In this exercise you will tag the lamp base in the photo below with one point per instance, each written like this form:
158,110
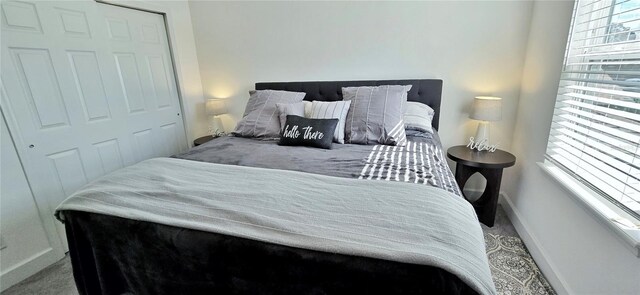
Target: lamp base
482,133
216,125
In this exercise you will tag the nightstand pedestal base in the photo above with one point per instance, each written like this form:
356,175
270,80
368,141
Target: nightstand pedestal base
486,205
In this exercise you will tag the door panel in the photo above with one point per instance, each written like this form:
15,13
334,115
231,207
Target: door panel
160,80
74,23
40,84
169,133
69,171
118,29
89,89
109,154
130,81
89,85
29,242
21,16
142,140
150,33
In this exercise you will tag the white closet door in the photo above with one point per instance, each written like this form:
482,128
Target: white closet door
28,243
89,89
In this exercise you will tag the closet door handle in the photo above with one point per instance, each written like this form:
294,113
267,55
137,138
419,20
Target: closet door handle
31,146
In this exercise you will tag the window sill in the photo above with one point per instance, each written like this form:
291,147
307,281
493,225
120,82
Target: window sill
621,223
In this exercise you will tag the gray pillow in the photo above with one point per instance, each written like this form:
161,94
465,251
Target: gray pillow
285,109
332,110
260,116
418,116
376,114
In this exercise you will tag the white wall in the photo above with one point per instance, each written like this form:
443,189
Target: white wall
182,43
475,47
578,254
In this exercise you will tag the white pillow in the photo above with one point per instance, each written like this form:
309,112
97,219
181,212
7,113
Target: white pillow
285,109
332,110
307,109
418,116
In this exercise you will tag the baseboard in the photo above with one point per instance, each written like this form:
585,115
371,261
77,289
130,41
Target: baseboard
535,247
28,267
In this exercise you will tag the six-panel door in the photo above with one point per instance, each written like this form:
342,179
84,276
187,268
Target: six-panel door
88,88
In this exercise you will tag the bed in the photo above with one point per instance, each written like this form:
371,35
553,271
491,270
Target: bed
247,216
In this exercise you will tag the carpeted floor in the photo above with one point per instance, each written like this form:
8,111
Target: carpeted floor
56,279
514,271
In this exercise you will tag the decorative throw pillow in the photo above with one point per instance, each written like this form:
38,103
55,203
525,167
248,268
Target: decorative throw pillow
285,109
332,110
418,116
376,114
307,108
260,116
308,132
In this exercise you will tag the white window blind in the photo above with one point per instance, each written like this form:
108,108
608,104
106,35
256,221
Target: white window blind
595,133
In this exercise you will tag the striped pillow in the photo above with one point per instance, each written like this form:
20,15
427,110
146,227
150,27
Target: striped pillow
332,110
307,108
418,116
376,114
261,117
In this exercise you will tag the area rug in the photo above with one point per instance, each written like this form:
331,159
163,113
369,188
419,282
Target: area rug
513,269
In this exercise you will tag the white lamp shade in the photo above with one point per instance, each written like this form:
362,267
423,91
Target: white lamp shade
216,107
486,108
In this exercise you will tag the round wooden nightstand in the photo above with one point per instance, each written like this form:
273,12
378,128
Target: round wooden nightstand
202,140
490,166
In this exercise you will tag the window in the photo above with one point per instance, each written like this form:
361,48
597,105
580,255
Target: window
595,133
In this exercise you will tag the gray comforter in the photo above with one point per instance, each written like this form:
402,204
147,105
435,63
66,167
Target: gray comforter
421,161
409,223
351,200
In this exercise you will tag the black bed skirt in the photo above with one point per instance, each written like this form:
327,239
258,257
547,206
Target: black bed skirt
112,255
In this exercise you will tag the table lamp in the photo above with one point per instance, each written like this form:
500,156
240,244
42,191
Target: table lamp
215,108
485,109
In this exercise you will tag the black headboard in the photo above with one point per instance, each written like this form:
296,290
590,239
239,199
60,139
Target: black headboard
427,91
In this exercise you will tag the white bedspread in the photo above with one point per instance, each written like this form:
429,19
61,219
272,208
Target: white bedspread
402,222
